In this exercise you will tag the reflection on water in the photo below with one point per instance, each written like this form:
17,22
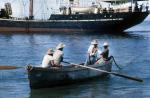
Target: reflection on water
130,49
105,88
81,90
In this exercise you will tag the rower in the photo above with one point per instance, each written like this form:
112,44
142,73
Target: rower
93,52
48,59
58,54
104,55
105,52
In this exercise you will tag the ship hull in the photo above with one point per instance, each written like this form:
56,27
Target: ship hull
76,23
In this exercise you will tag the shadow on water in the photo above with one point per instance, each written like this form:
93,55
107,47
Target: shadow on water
125,34
90,89
110,87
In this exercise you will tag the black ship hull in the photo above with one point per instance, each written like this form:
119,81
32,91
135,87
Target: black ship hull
76,23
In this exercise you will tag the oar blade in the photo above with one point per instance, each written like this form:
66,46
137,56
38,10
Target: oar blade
128,77
8,67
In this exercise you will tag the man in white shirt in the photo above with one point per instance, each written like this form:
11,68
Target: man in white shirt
93,52
58,54
48,60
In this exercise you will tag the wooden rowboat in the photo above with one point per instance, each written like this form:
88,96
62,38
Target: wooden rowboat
56,76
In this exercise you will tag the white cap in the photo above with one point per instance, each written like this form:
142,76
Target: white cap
94,42
105,44
60,45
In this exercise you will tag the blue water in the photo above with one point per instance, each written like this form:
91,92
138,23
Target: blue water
130,49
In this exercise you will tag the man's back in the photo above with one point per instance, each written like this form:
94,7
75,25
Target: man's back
46,61
58,54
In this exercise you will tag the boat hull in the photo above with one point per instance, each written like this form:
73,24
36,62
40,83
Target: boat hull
44,78
76,23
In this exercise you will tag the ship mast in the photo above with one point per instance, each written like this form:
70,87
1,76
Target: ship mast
31,10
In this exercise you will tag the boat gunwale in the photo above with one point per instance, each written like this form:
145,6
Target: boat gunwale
67,68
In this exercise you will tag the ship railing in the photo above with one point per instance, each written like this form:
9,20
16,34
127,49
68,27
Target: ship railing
98,10
134,8
127,9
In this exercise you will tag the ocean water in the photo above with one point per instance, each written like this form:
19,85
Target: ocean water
131,50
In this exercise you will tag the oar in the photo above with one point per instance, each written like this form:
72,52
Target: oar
118,66
113,73
3,67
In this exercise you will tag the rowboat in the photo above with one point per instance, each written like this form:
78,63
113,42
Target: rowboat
56,76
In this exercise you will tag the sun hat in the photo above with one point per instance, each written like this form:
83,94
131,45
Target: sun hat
105,44
60,45
94,42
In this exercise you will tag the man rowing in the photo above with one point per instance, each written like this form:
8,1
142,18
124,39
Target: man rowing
105,54
58,54
48,60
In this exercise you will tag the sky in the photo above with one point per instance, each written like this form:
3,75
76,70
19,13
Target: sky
42,8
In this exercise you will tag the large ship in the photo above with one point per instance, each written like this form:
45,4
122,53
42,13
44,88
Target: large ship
113,17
